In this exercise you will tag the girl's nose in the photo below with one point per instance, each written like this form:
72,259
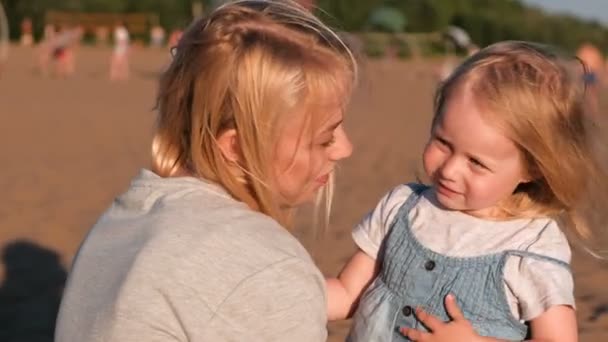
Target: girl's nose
449,169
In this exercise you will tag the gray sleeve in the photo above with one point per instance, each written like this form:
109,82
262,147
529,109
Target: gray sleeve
283,302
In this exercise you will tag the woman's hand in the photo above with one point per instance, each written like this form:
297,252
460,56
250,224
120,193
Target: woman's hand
458,329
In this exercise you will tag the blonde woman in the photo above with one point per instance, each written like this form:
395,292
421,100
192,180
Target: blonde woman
249,128
513,162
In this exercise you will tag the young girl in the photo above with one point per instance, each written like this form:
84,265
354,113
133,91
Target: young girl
249,127
511,161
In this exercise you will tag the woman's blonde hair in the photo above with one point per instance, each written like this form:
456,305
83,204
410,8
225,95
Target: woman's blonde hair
246,66
537,97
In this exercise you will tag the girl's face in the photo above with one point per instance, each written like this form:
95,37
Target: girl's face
305,160
472,164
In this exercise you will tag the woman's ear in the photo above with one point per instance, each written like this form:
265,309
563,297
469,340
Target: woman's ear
229,145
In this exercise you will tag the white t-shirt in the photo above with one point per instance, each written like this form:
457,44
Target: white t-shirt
532,286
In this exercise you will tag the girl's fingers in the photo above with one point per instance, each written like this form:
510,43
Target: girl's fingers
429,321
452,307
413,334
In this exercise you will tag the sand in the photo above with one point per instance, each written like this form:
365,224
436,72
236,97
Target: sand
68,146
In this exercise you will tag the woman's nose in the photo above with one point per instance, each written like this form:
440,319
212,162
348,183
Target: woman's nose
342,148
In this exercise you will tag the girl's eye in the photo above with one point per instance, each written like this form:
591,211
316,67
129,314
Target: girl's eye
443,144
476,163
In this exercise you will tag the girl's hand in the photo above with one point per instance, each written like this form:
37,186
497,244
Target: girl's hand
458,329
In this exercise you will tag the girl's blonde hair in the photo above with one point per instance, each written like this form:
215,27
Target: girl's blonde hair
537,97
246,66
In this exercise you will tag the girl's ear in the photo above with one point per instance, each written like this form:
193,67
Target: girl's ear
531,173
527,178
229,145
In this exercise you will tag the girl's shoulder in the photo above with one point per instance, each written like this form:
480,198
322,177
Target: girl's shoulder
547,238
398,195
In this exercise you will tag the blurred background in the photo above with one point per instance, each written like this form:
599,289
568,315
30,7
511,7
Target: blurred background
77,92
561,22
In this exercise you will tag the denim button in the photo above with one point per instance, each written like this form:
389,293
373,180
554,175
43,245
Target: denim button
429,265
407,310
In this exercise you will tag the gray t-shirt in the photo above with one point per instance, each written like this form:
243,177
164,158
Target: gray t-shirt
178,259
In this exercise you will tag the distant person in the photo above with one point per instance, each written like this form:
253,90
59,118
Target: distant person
119,64
62,51
46,49
249,128
480,251
594,61
594,74
174,38
157,36
4,39
27,38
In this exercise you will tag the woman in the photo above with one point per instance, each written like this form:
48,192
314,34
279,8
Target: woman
249,128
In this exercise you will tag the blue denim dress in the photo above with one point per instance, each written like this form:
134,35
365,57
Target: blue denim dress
412,275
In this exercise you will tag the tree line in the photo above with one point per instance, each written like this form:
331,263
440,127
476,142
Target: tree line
486,21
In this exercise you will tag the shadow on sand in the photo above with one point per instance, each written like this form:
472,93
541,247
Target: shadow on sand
31,292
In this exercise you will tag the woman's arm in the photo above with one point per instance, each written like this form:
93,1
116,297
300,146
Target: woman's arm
343,293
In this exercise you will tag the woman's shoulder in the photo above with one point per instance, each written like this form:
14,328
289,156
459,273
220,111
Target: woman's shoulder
256,231
238,232
198,220
227,249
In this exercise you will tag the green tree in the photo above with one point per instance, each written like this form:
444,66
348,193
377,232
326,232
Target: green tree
348,15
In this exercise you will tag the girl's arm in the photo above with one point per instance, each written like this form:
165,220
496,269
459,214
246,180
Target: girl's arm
556,324
343,293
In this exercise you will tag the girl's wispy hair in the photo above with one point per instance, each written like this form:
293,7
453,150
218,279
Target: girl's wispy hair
536,95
